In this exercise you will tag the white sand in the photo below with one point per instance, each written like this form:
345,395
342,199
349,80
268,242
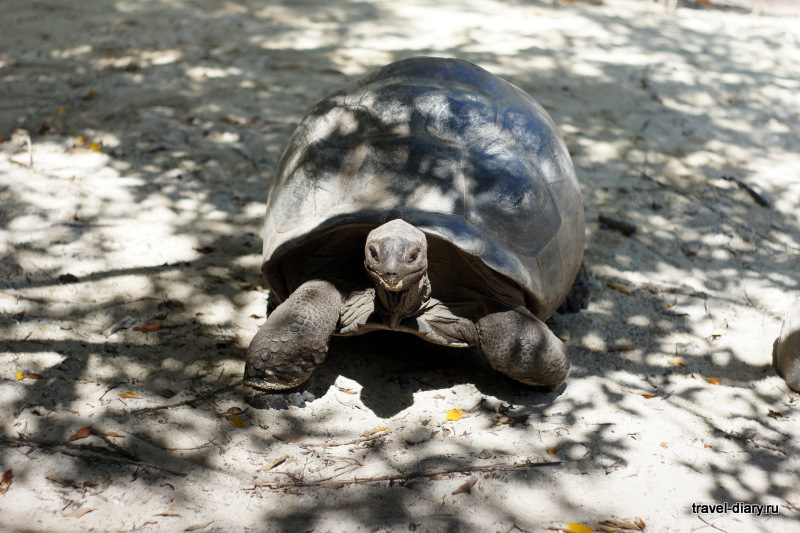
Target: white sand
192,104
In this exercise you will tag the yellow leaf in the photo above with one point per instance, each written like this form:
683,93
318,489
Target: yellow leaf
20,376
554,449
81,138
454,414
130,394
62,110
236,421
95,147
621,288
714,381
572,527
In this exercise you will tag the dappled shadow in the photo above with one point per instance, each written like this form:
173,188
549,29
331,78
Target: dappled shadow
161,144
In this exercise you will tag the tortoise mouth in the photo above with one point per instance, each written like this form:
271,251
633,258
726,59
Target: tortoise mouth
395,283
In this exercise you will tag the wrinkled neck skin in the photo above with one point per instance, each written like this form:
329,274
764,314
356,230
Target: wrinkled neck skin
395,306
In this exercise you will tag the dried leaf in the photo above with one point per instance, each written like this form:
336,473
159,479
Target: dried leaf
255,316
150,326
80,512
81,433
32,375
233,411
646,394
620,287
511,420
677,361
332,485
62,110
5,482
106,483
454,414
619,526
714,381
166,514
95,147
166,393
466,487
112,434
272,464
237,422
774,414
623,348
195,527
20,376
81,138
664,445
131,395
289,438
89,95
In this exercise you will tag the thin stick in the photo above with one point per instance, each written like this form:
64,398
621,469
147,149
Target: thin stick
425,474
185,402
346,443
87,452
712,525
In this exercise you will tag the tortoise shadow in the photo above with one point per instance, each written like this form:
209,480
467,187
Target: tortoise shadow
392,367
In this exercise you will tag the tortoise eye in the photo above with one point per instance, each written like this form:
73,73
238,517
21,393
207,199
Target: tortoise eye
374,253
413,257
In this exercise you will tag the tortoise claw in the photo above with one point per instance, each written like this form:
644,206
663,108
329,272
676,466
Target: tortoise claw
259,398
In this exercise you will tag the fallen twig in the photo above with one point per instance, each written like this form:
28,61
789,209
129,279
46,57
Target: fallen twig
85,451
411,475
626,228
657,288
720,213
346,443
186,402
710,524
760,200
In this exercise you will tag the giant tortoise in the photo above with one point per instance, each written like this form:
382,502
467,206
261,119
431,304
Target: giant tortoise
429,197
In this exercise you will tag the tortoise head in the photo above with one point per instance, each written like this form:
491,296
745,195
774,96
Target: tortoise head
396,255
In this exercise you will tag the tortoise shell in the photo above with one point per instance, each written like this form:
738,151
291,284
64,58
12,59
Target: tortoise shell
448,147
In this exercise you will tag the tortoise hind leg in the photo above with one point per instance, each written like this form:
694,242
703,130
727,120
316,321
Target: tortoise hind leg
523,348
579,294
292,342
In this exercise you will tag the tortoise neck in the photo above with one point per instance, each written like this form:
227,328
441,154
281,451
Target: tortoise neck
395,306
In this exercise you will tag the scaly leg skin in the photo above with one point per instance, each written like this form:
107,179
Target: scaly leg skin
786,350
288,347
524,349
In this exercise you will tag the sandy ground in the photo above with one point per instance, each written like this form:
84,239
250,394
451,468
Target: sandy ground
130,240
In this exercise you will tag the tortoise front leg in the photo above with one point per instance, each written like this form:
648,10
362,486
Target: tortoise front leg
292,342
523,348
